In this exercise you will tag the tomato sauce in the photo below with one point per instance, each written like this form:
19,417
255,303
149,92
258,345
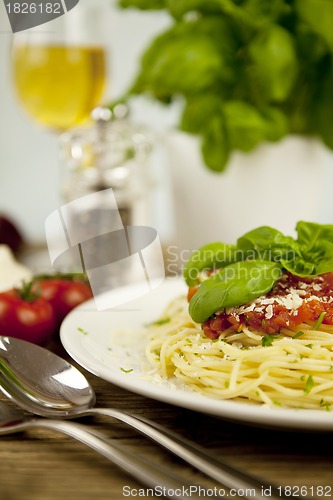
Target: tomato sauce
292,301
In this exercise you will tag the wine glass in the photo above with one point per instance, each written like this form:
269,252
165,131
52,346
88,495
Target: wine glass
59,68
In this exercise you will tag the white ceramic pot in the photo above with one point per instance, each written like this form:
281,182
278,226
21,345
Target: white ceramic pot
276,184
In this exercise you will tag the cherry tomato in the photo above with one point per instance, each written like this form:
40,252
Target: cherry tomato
28,319
64,294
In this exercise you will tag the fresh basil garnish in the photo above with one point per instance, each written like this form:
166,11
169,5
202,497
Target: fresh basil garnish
249,269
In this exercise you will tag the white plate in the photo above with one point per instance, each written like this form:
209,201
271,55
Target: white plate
111,344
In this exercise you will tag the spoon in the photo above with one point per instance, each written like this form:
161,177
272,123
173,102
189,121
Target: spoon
148,473
45,384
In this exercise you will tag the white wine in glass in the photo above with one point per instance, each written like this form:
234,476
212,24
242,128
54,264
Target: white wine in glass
60,75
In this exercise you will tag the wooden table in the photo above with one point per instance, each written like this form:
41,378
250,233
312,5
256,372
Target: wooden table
43,465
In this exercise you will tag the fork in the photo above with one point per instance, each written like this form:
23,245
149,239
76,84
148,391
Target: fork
142,469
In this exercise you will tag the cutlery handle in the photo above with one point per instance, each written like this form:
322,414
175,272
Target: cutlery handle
151,474
195,455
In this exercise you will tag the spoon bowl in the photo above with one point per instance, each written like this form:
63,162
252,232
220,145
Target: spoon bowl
41,382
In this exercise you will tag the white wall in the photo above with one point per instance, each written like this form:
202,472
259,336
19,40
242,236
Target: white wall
30,169
29,165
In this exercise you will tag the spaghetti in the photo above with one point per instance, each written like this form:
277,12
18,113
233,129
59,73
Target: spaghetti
291,369
257,323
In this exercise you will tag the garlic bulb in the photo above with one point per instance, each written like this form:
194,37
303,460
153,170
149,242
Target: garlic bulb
12,273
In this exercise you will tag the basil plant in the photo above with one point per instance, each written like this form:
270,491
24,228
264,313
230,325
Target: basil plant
248,71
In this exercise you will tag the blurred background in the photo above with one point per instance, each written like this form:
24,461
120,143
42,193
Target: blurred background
264,156
31,171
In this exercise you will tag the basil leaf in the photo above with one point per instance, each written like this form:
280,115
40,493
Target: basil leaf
322,255
199,110
315,256
318,14
317,260
184,60
322,108
209,257
268,243
274,62
265,12
276,123
234,285
310,233
142,4
299,267
245,126
222,7
251,12
215,145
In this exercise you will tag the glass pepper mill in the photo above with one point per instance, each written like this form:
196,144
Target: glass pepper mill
107,186
110,153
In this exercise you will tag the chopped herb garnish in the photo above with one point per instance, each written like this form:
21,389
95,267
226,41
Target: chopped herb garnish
84,332
325,404
226,384
309,384
267,339
319,321
126,371
310,346
298,334
158,322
